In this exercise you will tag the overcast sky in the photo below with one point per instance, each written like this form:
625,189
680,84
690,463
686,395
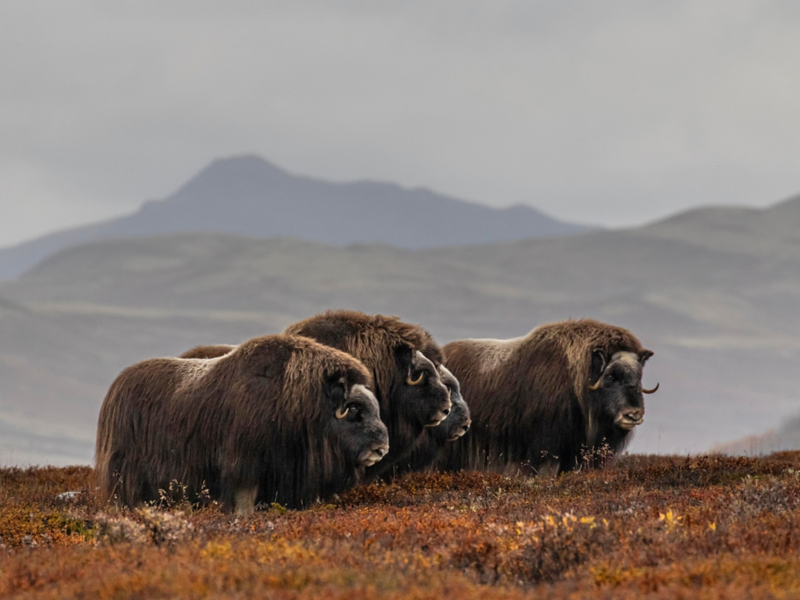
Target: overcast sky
604,112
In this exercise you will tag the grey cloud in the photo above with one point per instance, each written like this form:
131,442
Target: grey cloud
612,112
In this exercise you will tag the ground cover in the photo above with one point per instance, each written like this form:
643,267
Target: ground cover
652,527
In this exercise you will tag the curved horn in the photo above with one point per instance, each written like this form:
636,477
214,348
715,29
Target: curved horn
342,411
410,381
653,391
597,384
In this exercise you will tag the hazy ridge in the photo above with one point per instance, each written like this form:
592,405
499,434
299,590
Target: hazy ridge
246,195
713,293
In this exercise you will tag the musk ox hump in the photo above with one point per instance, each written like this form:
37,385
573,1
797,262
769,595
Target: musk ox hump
362,332
213,351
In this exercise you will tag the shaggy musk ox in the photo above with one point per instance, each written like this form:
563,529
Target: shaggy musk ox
429,447
278,419
403,360
551,399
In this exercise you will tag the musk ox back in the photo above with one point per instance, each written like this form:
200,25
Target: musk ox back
551,399
403,360
212,351
278,419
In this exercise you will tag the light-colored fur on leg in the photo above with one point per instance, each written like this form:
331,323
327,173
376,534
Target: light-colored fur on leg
246,501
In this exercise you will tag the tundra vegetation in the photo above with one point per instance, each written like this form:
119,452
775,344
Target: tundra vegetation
646,527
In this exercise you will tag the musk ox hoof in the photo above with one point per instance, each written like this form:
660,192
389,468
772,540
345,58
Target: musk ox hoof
246,501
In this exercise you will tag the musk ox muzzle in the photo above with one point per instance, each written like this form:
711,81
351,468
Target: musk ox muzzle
459,420
630,418
373,454
460,430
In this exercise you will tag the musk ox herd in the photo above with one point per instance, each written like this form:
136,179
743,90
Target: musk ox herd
344,397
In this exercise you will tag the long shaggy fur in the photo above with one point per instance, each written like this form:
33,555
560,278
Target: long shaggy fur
529,397
374,340
252,419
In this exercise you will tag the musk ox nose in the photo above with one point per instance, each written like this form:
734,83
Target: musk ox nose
440,414
635,414
462,429
630,418
374,454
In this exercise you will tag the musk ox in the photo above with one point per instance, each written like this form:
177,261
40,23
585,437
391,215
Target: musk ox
278,419
403,360
429,449
550,400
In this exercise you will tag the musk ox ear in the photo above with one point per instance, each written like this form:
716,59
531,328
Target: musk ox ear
404,354
266,358
644,355
599,362
336,389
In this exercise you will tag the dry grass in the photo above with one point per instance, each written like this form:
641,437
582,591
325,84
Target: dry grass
708,527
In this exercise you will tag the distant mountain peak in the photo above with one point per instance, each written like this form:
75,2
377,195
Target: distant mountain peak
223,173
242,164
247,195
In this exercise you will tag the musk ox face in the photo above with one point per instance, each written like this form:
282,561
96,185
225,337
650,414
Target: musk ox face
616,387
423,398
356,422
459,420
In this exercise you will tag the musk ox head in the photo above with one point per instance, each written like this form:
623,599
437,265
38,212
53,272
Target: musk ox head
421,396
355,421
402,359
349,412
459,420
615,387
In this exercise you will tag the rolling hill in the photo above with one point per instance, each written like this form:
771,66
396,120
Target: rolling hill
721,318
247,195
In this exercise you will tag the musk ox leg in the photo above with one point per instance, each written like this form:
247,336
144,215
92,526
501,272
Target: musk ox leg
548,468
245,500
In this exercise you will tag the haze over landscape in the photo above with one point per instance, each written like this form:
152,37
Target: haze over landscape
185,173
712,291
606,114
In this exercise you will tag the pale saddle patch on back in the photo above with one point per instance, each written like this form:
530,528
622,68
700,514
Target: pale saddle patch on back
494,353
193,369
